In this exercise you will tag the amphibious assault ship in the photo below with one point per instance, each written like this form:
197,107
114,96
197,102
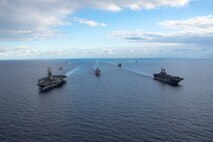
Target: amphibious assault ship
166,78
51,81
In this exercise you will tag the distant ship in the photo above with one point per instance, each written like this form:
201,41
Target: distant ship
97,72
119,65
60,68
166,78
51,81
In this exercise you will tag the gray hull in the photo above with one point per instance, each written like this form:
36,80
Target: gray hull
166,78
48,83
168,81
52,86
98,73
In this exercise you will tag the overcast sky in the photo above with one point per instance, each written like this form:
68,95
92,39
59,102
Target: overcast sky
106,28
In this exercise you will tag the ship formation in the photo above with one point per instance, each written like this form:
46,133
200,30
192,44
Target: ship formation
166,78
54,81
51,81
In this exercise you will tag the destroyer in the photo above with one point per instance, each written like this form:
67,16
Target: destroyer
51,81
97,72
164,77
119,65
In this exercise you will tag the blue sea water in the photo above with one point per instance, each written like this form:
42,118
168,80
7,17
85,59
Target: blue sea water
123,104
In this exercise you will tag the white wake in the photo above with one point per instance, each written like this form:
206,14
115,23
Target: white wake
72,71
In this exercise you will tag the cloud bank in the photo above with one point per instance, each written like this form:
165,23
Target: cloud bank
37,19
197,30
196,24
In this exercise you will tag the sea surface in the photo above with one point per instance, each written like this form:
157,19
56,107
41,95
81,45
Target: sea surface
123,104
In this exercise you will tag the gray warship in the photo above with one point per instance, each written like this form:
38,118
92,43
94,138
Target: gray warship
51,81
119,65
98,72
166,78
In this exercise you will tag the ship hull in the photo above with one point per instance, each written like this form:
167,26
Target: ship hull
119,65
171,82
98,72
98,75
52,86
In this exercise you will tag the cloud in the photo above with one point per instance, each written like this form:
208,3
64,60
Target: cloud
17,51
173,37
197,30
200,23
37,19
107,51
25,51
89,23
150,4
22,19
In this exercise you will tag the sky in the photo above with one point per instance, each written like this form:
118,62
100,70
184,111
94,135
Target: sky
38,29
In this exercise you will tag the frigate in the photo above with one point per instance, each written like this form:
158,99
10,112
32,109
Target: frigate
97,72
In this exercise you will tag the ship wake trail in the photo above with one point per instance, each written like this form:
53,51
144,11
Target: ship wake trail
95,65
111,63
71,72
139,73
132,71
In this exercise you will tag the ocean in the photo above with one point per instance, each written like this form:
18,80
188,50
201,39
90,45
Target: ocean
123,104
